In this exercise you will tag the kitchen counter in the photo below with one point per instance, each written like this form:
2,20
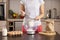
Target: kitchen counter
31,37
15,20
55,20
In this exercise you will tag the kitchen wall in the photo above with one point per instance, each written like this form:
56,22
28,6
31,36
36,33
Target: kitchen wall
14,5
50,4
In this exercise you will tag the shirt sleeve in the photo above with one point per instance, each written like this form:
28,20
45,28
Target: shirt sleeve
41,2
21,1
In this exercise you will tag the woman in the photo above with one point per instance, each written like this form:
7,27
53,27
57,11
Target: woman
32,9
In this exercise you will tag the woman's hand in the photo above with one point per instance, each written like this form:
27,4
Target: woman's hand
37,18
22,13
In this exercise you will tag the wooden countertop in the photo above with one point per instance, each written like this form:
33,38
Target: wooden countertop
30,37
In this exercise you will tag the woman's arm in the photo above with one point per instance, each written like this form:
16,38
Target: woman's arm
22,10
41,12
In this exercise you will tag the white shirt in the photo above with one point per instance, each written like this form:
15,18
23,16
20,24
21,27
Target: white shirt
31,10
